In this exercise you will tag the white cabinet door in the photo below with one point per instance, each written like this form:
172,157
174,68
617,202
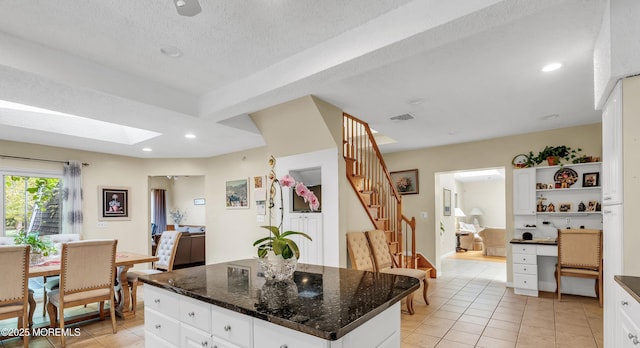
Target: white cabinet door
612,255
612,179
191,337
311,251
524,191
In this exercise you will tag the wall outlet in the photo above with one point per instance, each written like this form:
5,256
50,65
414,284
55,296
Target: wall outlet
568,221
424,215
102,224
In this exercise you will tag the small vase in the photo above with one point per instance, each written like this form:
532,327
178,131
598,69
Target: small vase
176,226
278,268
553,160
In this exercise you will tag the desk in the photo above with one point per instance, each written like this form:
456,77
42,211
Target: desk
124,259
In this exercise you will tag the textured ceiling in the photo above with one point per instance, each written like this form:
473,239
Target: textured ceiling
474,63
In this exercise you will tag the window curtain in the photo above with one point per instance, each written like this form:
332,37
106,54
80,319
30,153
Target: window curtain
72,198
160,211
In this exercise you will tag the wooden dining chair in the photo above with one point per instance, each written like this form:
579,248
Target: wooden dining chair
580,255
166,253
87,272
384,263
53,282
14,292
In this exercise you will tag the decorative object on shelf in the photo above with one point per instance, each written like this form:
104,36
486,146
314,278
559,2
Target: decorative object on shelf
565,177
406,181
590,179
177,216
523,161
278,253
540,206
582,207
39,246
591,206
551,208
555,154
237,194
565,207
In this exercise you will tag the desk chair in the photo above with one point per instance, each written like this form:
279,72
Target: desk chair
580,255
87,273
14,292
166,253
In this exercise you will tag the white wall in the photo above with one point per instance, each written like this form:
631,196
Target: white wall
445,242
488,196
185,190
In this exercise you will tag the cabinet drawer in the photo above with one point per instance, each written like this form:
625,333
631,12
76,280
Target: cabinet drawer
153,341
523,268
195,313
525,281
162,326
161,301
231,326
629,306
192,337
271,335
220,343
525,258
523,249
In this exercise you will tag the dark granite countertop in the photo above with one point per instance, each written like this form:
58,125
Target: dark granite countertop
534,241
326,302
630,284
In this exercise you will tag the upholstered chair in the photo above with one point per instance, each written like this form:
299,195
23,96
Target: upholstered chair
14,292
166,253
580,255
87,273
494,241
384,263
52,283
359,252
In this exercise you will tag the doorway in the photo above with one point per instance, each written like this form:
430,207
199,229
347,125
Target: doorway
467,202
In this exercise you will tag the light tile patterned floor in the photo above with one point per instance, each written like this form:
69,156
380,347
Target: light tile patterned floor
470,307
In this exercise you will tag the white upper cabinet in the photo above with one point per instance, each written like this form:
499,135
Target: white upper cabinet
612,180
524,191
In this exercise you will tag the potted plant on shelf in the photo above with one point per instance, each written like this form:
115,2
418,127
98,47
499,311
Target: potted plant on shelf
278,253
39,247
554,154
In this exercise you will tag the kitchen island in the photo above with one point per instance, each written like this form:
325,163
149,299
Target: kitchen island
231,305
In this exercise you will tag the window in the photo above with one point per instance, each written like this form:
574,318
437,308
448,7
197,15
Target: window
31,202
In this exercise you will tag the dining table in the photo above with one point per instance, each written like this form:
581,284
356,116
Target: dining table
124,261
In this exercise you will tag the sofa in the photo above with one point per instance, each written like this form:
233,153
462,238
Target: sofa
494,242
470,240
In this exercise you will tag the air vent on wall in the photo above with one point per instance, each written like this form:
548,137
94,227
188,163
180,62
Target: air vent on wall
403,117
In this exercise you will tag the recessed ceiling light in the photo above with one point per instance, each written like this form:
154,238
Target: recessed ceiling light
147,149
190,136
180,3
45,120
551,67
171,51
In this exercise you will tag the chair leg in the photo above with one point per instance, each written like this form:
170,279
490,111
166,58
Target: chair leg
101,310
559,288
53,315
32,308
112,313
26,326
410,304
61,320
425,288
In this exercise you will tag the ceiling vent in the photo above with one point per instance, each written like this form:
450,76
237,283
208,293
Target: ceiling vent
403,117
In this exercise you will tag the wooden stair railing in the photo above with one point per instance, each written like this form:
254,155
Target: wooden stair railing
372,182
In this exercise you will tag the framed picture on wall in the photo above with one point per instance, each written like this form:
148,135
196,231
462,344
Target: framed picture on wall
114,203
237,194
446,209
406,181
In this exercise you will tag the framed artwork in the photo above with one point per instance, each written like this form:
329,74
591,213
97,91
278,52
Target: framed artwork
590,179
114,203
237,194
592,205
565,207
447,202
406,181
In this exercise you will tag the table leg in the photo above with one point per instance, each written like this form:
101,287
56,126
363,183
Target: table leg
458,247
123,309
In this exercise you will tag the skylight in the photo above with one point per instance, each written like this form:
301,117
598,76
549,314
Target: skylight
30,117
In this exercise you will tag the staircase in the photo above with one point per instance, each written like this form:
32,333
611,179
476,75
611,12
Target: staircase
369,177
